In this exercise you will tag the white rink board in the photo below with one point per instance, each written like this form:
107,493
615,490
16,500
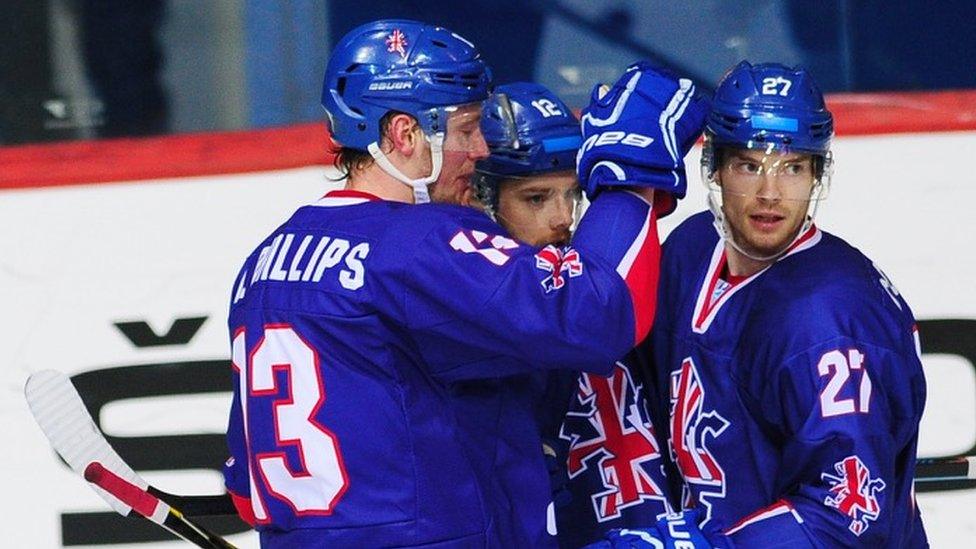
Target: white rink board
73,260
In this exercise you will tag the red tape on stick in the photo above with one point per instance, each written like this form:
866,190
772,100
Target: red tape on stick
141,501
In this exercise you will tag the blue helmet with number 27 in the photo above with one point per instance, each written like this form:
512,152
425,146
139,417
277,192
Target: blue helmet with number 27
400,66
770,105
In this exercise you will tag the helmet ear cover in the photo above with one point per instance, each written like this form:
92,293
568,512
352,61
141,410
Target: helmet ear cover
486,189
348,159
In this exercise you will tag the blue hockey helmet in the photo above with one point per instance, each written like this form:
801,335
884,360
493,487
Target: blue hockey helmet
770,106
529,131
403,66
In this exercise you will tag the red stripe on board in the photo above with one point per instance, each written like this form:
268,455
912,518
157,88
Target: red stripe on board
903,112
112,160
185,155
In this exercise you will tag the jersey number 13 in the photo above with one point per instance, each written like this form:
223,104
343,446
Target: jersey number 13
319,480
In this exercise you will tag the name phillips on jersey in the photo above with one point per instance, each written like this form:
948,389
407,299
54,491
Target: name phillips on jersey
306,263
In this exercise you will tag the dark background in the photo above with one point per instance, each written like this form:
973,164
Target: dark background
84,69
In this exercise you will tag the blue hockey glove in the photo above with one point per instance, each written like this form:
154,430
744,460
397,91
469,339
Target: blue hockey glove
630,538
680,531
638,132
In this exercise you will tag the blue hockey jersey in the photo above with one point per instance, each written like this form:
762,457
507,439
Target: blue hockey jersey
613,471
607,470
357,327
792,397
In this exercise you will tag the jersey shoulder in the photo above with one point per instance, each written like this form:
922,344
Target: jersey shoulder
426,218
694,237
441,233
687,250
824,308
397,232
830,291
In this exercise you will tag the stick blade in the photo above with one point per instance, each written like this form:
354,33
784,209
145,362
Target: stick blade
62,416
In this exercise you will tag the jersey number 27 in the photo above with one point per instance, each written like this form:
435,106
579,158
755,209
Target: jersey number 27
838,366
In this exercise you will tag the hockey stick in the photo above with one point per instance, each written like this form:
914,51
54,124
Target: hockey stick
68,426
152,507
945,469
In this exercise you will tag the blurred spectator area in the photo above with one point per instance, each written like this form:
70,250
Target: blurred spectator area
84,69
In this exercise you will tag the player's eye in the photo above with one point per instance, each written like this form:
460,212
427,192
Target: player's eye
746,167
536,199
796,168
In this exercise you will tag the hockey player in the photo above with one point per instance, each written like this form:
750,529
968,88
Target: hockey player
605,462
351,322
528,185
528,182
789,361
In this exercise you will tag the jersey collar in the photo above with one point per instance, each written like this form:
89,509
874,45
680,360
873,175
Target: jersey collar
707,306
345,197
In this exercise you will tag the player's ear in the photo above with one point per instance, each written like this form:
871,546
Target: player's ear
402,134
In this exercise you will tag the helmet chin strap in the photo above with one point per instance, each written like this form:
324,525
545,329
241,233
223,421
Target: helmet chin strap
419,186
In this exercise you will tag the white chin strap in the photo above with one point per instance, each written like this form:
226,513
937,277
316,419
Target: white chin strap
419,186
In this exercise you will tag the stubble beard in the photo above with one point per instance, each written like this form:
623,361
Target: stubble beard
761,247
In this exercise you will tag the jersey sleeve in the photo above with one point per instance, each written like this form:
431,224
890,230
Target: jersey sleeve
235,470
847,412
479,304
236,475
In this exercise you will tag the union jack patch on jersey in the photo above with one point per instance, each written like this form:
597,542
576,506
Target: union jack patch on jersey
557,262
608,427
854,493
693,427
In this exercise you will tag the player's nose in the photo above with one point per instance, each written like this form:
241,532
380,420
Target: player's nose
479,147
562,218
769,188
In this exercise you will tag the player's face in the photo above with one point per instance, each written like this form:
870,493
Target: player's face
463,146
765,198
539,210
